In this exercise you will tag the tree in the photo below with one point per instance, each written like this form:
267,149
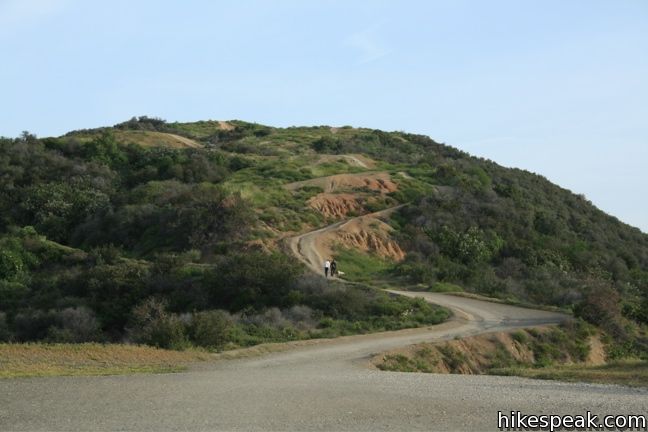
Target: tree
327,144
105,149
253,279
602,306
470,246
57,208
5,333
76,324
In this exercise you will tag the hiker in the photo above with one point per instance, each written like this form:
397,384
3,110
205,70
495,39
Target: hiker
333,267
327,266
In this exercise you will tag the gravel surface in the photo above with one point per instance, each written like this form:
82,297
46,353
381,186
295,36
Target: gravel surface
328,386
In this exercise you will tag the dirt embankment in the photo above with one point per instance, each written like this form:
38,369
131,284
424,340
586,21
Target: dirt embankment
366,234
484,353
347,194
342,205
369,234
336,206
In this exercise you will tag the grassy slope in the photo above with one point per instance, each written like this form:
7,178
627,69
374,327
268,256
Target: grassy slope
627,372
560,353
361,267
146,139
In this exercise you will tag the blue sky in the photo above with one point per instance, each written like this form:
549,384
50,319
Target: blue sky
556,87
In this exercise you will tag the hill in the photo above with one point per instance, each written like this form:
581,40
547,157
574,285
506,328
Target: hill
157,231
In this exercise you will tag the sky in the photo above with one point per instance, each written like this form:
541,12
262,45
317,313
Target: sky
559,88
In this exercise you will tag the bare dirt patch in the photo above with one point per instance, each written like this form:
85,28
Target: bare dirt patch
335,205
375,182
225,125
596,355
366,234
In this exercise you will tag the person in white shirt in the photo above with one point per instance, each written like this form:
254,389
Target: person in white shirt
327,266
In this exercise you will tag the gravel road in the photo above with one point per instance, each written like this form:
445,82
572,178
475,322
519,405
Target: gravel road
327,386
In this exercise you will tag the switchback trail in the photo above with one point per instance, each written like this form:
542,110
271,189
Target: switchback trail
324,385
308,247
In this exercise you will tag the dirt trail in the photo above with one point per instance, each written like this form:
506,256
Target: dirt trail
374,181
311,247
352,159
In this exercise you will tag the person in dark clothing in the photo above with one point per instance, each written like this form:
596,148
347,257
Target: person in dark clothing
333,267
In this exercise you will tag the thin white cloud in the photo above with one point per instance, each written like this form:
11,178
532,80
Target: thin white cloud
367,44
16,14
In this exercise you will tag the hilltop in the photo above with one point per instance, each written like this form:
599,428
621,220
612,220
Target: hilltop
188,223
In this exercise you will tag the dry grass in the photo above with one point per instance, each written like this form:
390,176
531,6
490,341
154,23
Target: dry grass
22,360
628,373
155,139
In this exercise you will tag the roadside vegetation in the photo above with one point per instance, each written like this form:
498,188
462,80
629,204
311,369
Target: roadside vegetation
629,372
362,267
237,300
574,351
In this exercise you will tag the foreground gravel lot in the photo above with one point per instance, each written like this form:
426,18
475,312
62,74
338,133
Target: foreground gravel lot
327,386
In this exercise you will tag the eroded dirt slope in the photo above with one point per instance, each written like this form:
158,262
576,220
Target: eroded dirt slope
376,182
368,233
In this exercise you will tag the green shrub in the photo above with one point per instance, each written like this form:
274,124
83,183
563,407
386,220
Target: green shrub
454,358
31,324
11,294
397,363
443,287
5,333
210,329
520,336
501,357
533,332
327,144
76,325
153,325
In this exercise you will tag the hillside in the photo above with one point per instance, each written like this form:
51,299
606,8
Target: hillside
154,231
